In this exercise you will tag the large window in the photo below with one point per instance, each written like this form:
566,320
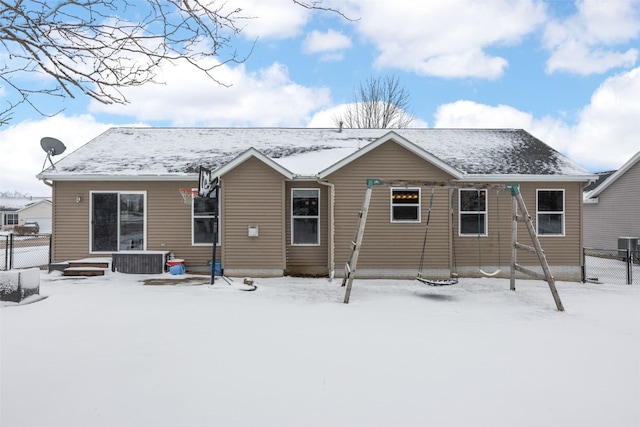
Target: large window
305,216
550,212
205,220
405,205
117,221
473,212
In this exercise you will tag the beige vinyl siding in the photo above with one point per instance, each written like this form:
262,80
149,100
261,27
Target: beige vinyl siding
386,245
617,212
483,252
168,219
393,246
308,259
253,195
492,251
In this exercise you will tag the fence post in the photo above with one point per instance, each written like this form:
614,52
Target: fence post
10,263
584,266
50,249
629,267
6,252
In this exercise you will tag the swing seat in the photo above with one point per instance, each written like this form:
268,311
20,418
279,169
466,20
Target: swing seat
494,274
432,282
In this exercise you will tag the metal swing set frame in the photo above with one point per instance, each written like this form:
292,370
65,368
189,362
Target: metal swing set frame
518,205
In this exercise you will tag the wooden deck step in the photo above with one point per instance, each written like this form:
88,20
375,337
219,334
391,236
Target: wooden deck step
83,271
88,264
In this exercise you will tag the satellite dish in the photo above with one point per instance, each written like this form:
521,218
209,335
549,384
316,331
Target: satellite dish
52,147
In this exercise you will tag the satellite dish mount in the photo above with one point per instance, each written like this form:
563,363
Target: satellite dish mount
52,147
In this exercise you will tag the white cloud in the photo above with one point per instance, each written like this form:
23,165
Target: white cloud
322,42
446,38
586,42
469,114
267,97
608,133
271,19
20,146
605,136
575,57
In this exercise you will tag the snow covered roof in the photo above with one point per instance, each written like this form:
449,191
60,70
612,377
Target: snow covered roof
10,204
177,153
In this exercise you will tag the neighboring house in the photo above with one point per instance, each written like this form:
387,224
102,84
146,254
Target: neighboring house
18,210
290,199
612,208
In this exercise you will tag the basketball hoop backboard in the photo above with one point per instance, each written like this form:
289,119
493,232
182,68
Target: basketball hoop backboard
207,183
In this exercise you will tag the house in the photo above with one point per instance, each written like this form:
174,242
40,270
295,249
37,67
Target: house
612,208
15,211
289,199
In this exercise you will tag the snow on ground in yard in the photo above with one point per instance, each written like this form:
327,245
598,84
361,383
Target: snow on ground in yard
110,351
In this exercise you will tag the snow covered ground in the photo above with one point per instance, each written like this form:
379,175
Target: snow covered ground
111,351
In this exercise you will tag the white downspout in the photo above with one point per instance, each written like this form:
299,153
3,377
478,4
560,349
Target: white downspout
332,228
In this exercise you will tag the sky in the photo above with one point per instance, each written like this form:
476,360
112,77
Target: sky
565,71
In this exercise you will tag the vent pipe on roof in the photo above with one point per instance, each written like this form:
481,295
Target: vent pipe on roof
341,123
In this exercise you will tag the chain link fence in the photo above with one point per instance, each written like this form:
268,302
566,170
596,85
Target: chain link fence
615,266
25,251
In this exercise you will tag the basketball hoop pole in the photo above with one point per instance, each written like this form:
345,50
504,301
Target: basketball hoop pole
216,191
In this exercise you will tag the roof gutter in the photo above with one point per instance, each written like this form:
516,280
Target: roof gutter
526,178
70,177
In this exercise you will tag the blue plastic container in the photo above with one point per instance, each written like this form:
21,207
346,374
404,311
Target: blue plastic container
177,269
218,268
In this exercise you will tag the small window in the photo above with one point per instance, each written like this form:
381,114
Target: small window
473,212
205,220
550,213
405,205
305,216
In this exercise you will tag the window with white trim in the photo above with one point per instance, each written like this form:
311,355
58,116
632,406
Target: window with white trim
10,219
405,204
205,221
473,212
305,216
550,212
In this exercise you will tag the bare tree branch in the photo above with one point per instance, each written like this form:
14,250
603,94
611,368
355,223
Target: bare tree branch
88,47
378,103
317,5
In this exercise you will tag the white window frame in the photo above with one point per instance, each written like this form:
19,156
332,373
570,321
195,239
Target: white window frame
118,192
561,213
15,219
485,212
193,218
417,205
316,217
